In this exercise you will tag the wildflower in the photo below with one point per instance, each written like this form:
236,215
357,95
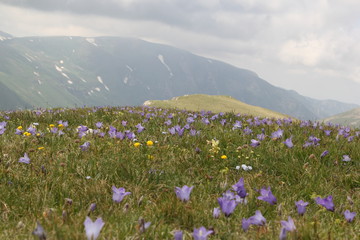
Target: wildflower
25,159
246,168
346,158
137,144
39,232
143,225
149,143
254,143
287,226
245,224
119,194
277,134
267,196
92,207
99,124
239,188
324,153
27,134
19,128
216,212
288,142
178,235
227,206
301,206
93,229
326,202
61,125
201,233
183,193
85,146
140,128
257,219
223,157
349,216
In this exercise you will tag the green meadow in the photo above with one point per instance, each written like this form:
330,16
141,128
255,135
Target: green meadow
76,156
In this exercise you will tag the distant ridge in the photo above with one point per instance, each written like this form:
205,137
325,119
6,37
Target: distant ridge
214,103
114,71
350,118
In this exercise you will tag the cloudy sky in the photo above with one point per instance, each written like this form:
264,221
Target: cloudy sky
311,46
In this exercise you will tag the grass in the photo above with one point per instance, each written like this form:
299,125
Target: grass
214,103
350,118
59,170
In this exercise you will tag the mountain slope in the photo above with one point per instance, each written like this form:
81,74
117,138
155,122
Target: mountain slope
350,118
69,71
216,104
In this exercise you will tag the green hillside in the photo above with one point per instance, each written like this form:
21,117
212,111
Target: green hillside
350,118
214,103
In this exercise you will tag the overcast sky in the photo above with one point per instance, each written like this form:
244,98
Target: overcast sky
310,46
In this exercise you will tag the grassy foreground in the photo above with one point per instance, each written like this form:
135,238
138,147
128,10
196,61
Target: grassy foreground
150,151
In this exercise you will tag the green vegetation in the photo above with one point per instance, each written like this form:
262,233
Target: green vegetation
63,179
214,103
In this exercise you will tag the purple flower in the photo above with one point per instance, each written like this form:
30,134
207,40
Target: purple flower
267,196
254,143
39,232
93,229
324,153
346,158
301,206
288,142
349,216
257,219
327,132
260,136
190,120
237,125
287,226
216,212
143,225
172,130
201,233
92,207
99,124
24,159
326,202
140,128
227,206
245,224
119,194
178,235
85,146
277,134
183,193
239,188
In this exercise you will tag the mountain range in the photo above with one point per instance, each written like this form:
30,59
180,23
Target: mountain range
77,71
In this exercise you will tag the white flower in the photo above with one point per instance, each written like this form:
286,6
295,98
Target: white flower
237,167
246,168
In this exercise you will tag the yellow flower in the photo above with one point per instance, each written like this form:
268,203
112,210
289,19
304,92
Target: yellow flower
51,125
61,125
20,127
150,157
40,148
38,134
137,144
27,134
224,157
149,143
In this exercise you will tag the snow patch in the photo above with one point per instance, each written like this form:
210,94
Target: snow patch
61,62
39,93
100,80
66,76
70,82
130,69
58,68
92,41
39,82
106,87
83,80
162,60
36,74
126,80
98,89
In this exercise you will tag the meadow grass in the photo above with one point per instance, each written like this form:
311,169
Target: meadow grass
62,180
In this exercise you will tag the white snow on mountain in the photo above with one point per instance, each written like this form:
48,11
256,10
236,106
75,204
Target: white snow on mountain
162,60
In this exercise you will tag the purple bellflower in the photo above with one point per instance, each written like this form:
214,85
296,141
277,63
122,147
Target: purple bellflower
267,196
324,153
39,232
201,233
288,142
24,159
85,146
301,206
119,194
349,216
178,235
216,212
326,202
287,226
227,205
346,158
92,229
183,193
254,143
239,188
257,219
